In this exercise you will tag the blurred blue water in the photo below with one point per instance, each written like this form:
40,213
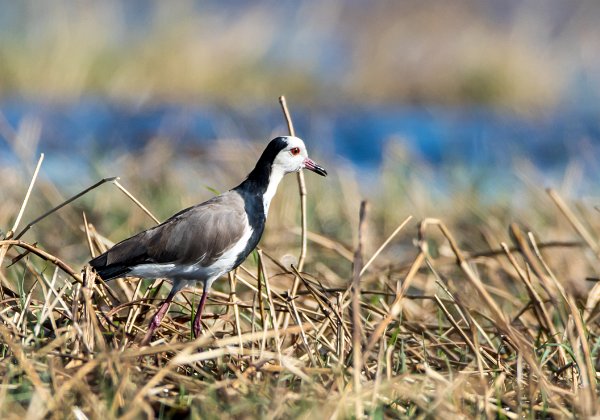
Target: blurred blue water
477,139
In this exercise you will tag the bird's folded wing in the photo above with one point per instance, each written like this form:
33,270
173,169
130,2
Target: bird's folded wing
199,234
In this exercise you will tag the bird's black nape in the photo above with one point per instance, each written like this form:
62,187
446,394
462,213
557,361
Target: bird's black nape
262,170
271,151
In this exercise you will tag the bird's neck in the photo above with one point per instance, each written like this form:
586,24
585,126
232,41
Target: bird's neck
274,179
262,183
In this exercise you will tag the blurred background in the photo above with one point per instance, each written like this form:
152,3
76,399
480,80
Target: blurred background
425,107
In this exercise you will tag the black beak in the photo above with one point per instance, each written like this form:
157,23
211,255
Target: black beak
312,166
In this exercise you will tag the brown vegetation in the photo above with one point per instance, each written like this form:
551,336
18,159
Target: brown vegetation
456,317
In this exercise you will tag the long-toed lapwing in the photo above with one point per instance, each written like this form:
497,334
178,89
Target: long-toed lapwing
203,242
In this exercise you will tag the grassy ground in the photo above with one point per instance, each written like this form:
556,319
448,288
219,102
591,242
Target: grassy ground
470,308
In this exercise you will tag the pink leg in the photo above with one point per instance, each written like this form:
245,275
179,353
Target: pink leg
198,317
157,318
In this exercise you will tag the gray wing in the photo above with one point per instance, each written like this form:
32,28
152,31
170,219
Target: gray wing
199,234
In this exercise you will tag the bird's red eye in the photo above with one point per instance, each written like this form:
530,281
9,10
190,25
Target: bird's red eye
295,150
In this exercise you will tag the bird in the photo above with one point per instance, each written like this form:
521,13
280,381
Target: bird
201,243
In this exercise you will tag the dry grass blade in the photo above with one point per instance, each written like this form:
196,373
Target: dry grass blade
384,244
574,221
356,318
462,333
10,233
44,255
274,320
27,195
301,186
64,203
135,200
396,306
302,192
327,243
236,310
462,262
540,307
529,256
88,236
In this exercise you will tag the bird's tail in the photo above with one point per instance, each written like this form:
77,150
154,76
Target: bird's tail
108,272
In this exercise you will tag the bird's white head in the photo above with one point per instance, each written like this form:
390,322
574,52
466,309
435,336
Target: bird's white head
281,156
292,157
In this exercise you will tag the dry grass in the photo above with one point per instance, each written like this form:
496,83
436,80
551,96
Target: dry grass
454,316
